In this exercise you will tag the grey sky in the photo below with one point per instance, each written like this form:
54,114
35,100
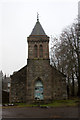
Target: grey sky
17,19
79,11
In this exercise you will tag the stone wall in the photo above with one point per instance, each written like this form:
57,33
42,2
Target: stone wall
59,85
23,82
18,86
39,68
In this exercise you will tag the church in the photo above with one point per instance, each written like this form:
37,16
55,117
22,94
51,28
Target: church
38,80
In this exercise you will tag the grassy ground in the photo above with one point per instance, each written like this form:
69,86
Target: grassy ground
55,103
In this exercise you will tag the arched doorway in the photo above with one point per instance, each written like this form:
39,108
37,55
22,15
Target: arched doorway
38,92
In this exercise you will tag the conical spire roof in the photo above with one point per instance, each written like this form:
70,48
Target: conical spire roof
38,30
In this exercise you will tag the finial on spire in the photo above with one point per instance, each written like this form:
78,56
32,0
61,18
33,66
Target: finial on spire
37,17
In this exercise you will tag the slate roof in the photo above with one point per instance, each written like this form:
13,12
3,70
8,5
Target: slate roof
38,30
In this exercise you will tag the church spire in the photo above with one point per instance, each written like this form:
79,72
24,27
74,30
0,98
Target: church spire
38,30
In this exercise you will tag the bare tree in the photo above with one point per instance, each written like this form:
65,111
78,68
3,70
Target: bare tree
65,54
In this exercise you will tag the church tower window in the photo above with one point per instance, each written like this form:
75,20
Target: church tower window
35,51
41,51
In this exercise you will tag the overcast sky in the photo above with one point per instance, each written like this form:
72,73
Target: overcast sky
17,19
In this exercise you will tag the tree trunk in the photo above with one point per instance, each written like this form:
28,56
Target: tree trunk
78,77
68,90
72,84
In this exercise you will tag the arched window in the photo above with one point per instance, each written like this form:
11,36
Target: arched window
38,92
41,51
35,51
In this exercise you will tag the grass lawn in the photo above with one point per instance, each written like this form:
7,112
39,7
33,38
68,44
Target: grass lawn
55,103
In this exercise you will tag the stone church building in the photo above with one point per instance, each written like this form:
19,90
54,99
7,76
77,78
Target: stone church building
38,80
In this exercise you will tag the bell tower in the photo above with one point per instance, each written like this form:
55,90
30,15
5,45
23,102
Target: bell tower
38,65
38,43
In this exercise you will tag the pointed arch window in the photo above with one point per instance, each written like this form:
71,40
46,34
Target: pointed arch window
41,51
38,93
35,51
